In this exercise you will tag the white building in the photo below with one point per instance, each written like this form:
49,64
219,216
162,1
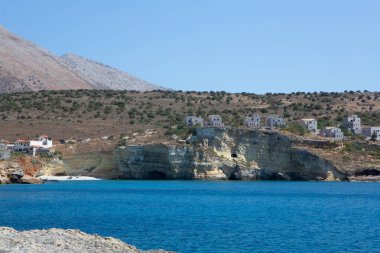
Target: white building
215,121
368,132
10,146
275,121
43,142
253,121
310,124
332,132
5,154
21,146
194,121
3,143
7,145
352,123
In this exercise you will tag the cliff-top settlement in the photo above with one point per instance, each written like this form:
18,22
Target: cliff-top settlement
118,134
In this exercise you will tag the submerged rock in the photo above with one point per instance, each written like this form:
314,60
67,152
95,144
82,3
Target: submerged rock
60,240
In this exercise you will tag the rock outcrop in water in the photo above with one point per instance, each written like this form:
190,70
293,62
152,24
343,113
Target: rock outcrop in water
60,240
212,153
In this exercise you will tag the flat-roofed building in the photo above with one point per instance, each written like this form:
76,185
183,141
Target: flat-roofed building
275,121
22,146
352,123
5,154
253,121
192,121
310,124
370,132
332,132
215,121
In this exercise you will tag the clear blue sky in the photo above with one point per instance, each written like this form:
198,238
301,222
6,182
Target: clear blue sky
234,45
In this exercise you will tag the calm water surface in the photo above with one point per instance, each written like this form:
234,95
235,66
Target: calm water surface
201,216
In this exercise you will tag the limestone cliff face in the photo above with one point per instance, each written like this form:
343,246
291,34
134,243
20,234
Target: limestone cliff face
155,162
235,154
252,154
95,164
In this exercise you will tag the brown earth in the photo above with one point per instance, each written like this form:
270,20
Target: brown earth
30,165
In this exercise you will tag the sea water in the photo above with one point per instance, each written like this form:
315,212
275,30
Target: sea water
205,216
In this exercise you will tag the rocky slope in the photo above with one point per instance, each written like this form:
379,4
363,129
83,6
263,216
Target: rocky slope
26,67
105,77
59,240
211,153
21,170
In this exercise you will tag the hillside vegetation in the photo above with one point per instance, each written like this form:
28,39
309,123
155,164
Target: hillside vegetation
94,113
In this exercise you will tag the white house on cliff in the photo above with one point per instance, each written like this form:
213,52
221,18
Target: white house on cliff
310,124
253,121
215,121
42,143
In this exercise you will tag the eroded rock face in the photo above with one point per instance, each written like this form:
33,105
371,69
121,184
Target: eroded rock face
94,164
253,154
234,154
60,240
155,162
212,153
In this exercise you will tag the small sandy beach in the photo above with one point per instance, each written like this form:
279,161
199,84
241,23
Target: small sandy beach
66,178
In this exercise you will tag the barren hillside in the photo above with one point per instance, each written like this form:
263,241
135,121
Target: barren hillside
106,77
24,66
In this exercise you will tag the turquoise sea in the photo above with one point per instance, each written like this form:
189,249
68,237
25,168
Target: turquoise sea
204,216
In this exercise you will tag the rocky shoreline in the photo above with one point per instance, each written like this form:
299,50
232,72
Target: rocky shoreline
14,173
61,240
207,154
364,179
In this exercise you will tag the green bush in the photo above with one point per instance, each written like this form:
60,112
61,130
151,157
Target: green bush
296,128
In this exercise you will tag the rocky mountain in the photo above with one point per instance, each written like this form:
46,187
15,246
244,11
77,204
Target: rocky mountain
105,77
26,67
